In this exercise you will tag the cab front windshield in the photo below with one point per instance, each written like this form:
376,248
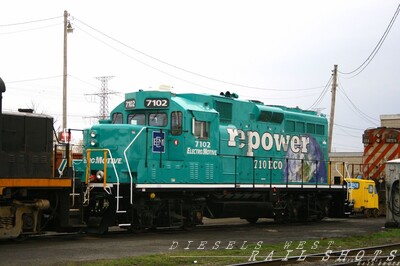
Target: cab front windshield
158,119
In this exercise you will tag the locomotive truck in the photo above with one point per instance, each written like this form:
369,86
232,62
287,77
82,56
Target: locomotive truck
168,160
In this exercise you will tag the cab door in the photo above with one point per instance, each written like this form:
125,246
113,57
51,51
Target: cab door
176,138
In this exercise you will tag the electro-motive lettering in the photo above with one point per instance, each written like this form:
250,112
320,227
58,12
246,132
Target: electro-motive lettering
100,160
201,148
297,144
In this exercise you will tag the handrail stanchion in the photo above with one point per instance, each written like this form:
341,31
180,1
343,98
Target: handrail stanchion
87,166
105,169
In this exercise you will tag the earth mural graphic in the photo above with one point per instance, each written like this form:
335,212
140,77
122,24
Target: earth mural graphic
307,167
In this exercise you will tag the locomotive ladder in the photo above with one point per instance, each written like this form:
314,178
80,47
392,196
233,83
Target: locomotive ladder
73,195
65,163
106,187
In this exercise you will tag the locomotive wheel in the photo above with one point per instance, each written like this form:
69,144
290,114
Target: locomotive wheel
252,220
192,218
187,226
136,229
367,213
375,213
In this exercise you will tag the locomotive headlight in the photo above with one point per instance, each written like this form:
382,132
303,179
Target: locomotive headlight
99,175
93,134
152,195
93,143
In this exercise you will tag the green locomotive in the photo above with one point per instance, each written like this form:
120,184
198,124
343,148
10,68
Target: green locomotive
167,160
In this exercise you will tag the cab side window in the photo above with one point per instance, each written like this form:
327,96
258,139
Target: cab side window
176,123
117,118
201,129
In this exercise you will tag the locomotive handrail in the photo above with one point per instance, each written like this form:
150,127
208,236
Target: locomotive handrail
301,183
347,179
127,164
73,194
88,151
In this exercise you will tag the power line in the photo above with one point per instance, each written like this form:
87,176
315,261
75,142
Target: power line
34,79
37,92
143,63
29,22
353,128
360,113
353,148
183,69
377,47
149,56
292,96
32,29
348,134
322,95
83,81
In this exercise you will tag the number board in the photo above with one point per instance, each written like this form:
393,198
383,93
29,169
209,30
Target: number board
156,103
130,104
354,185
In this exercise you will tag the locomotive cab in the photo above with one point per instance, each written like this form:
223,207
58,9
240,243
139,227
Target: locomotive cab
150,143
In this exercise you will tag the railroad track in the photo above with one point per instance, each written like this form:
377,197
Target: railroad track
374,255
209,225
117,232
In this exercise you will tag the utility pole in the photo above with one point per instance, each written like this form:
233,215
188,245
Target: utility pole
103,94
2,90
333,100
67,29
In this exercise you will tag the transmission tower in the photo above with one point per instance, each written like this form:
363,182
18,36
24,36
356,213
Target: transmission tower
103,94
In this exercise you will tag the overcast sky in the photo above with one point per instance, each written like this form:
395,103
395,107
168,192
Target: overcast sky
280,52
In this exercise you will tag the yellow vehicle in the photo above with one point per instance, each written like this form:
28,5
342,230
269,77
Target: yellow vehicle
364,196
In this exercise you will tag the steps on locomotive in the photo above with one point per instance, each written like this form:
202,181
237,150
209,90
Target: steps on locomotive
73,218
133,216
120,198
